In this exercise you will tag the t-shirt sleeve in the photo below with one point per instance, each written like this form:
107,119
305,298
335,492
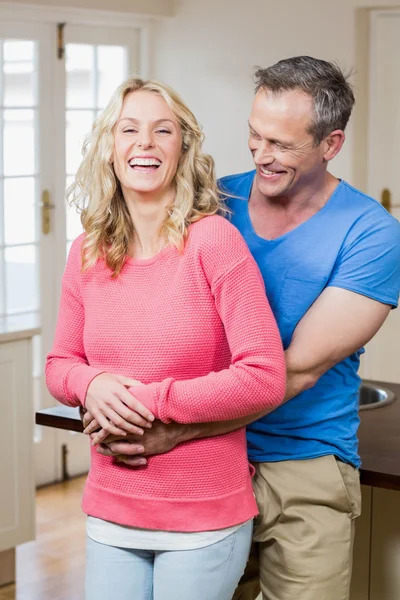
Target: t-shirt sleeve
369,261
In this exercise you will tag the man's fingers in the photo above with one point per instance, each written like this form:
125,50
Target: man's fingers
87,419
99,437
91,427
104,450
128,449
132,462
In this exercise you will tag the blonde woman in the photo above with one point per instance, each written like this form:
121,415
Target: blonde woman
163,316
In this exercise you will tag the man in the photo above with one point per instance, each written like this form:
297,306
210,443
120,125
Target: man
330,259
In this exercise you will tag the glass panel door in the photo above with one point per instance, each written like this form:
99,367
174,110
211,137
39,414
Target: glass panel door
92,73
97,60
24,121
19,235
47,105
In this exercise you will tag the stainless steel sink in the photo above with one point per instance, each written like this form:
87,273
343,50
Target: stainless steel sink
371,396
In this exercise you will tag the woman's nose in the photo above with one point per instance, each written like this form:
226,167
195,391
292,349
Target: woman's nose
145,139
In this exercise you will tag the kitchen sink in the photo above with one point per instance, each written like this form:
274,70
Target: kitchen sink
374,396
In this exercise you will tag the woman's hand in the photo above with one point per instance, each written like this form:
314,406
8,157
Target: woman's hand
113,407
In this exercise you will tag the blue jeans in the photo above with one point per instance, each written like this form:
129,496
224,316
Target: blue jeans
210,573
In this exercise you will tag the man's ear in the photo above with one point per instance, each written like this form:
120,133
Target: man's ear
333,144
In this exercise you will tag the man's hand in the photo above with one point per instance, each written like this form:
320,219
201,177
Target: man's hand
133,449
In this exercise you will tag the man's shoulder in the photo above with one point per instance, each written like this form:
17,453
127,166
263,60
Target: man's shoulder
369,214
235,184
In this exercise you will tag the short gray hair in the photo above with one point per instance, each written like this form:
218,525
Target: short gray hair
324,81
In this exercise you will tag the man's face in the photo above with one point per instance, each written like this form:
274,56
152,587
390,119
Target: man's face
284,152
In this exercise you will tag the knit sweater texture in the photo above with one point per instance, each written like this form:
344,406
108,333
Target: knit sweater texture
197,330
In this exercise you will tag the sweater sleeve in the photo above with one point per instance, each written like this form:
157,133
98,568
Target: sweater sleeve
68,374
255,380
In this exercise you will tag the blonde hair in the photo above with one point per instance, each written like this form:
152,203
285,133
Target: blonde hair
97,194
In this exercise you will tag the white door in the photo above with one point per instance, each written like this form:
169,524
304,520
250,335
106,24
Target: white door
97,60
382,357
47,105
26,255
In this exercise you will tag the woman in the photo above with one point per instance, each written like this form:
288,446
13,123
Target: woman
162,290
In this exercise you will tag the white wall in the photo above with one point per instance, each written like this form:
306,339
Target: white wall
208,50
147,7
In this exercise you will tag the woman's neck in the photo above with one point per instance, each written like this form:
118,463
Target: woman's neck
148,214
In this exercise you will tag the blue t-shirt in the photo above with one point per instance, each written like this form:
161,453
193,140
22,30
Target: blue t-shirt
351,243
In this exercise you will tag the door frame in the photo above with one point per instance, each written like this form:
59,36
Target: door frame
367,20
82,16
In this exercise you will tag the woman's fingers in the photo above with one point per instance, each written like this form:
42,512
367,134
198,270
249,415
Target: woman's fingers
126,419
127,381
113,407
138,407
106,421
128,407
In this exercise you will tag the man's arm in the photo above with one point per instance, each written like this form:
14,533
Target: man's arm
338,324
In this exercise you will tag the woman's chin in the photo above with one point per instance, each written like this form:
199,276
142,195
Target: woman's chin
142,188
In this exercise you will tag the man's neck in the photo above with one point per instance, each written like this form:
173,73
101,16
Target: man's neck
273,217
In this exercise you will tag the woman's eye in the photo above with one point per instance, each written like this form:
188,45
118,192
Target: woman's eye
163,131
130,130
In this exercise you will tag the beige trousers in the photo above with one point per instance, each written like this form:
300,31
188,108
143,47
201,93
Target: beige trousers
303,537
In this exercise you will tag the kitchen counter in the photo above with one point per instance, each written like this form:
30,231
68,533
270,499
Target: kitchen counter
18,327
379,436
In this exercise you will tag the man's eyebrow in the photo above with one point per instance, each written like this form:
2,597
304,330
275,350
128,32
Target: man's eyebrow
273,140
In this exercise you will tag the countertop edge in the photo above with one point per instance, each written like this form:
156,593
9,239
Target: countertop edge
21,334
380,473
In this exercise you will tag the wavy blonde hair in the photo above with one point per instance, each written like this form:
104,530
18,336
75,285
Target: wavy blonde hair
97,194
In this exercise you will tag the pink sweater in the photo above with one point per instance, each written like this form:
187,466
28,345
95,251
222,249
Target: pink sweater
196,328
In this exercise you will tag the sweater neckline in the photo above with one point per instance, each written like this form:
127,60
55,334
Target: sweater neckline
144,262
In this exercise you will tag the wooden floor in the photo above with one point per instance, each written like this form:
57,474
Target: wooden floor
52,567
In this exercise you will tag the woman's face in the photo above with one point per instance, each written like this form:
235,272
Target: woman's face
147,145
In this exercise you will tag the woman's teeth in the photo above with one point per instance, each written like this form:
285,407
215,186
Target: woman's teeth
144,162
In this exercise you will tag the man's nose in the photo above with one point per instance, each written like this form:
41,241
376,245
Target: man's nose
263,156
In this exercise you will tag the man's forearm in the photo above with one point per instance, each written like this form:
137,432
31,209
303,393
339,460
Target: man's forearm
202,430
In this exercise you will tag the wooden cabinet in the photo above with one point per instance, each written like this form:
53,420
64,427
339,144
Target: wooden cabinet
361,555
17,490
376,569
385,546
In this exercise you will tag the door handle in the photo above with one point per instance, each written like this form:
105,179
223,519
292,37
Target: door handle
386,199
46,207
